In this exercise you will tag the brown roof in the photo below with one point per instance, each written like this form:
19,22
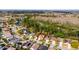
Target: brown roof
35,46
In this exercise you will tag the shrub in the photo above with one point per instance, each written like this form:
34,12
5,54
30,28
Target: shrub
75,44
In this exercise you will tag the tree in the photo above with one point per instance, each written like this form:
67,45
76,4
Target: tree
5,40
25,22
20,31
75,44
11,22
59,34
0,30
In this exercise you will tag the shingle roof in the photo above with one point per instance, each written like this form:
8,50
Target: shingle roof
42,47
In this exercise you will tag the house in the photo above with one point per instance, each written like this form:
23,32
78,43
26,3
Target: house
35,38
28,44
11,48
13,40
47,41
1,24
42,47
53,41
2,21
34,46
46,38
41,36
60,42
51,47
66,46
52,44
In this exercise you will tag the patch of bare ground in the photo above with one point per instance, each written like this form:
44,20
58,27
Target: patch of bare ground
60,18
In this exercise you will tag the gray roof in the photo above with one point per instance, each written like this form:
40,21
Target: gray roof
42,47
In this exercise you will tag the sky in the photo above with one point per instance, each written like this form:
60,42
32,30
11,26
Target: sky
39,4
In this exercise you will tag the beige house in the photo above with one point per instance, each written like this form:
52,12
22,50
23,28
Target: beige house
35,46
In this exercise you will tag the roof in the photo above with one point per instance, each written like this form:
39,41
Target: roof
42,47
35,46
11,48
